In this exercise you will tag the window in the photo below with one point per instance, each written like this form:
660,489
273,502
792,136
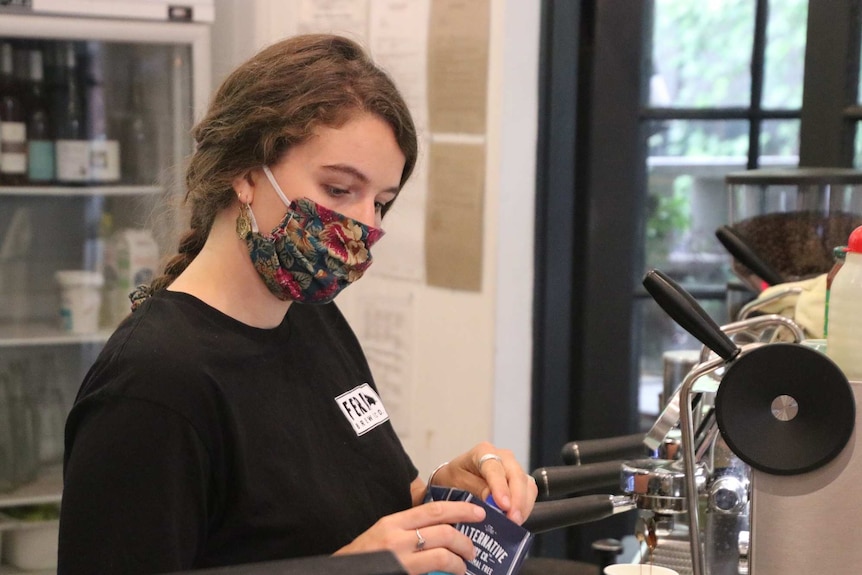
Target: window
724,94
645,106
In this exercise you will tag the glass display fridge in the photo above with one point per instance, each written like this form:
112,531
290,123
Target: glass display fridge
97,99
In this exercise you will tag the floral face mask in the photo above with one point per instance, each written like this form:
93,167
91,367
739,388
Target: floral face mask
314,252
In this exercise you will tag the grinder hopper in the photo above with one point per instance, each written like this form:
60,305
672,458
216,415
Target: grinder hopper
793,217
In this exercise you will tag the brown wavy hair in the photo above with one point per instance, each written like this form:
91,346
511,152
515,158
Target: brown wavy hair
274,101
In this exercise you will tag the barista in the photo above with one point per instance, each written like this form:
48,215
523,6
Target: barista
232,418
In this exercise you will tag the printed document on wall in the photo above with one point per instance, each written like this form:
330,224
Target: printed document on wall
345,17
458,46
454,215
385,328
400,254
398,39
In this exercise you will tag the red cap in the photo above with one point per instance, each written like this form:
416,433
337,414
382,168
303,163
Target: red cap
854,244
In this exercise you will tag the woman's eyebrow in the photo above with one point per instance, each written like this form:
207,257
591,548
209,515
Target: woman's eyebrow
356,173
348,170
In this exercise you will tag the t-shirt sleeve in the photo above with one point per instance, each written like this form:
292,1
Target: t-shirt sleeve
135,490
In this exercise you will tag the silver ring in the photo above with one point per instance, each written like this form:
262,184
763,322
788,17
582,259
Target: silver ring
487,457
420,541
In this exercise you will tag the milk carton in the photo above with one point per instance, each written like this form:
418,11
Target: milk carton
131,259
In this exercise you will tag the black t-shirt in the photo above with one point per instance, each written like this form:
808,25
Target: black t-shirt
199,441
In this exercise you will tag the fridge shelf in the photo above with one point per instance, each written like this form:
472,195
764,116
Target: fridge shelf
46,334
10,570
58,191
46,488
10,524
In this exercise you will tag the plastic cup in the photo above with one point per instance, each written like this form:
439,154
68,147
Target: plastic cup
80,300
637,569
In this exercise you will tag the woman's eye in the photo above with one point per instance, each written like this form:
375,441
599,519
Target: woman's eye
378,206
333,191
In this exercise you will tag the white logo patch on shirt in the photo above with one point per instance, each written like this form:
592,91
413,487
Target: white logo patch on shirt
362,408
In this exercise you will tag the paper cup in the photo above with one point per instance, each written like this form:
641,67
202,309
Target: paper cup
637,569
80,300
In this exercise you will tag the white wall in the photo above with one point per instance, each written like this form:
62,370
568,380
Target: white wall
470,351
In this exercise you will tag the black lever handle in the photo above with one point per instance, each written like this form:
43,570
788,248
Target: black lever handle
684,309
747,256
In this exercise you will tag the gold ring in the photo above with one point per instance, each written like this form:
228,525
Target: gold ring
420,541
487,457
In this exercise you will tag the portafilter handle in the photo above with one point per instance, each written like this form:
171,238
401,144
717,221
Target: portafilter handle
603,449
550,515
563,480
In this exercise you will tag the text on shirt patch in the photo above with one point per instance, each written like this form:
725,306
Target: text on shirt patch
362,408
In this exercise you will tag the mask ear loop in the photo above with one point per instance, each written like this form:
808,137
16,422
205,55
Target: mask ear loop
254,227
275,185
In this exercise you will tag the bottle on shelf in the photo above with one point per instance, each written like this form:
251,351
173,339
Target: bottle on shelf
40,146
106,228
94,241
13,127
54,59
71,149
49,403
844,338
22,417
104,150
139,162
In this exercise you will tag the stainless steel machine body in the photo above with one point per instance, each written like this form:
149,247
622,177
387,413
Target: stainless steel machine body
809,523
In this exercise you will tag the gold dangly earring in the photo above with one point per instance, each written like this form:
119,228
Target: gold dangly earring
243,222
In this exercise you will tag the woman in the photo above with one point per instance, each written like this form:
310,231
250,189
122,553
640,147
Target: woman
232,418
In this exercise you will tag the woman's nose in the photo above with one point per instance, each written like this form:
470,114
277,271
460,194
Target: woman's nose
367,213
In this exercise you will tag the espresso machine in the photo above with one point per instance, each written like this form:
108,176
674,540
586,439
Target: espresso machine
751,466
781,470
753,461
771,423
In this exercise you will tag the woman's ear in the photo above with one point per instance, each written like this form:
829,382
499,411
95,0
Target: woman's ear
244,186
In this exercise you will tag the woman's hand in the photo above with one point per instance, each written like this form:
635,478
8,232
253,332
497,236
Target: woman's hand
486,470
423,537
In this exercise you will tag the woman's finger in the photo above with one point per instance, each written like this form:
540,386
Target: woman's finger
438,559
437,545
524,491
513,490
441,536
398,532
497,468
437,513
